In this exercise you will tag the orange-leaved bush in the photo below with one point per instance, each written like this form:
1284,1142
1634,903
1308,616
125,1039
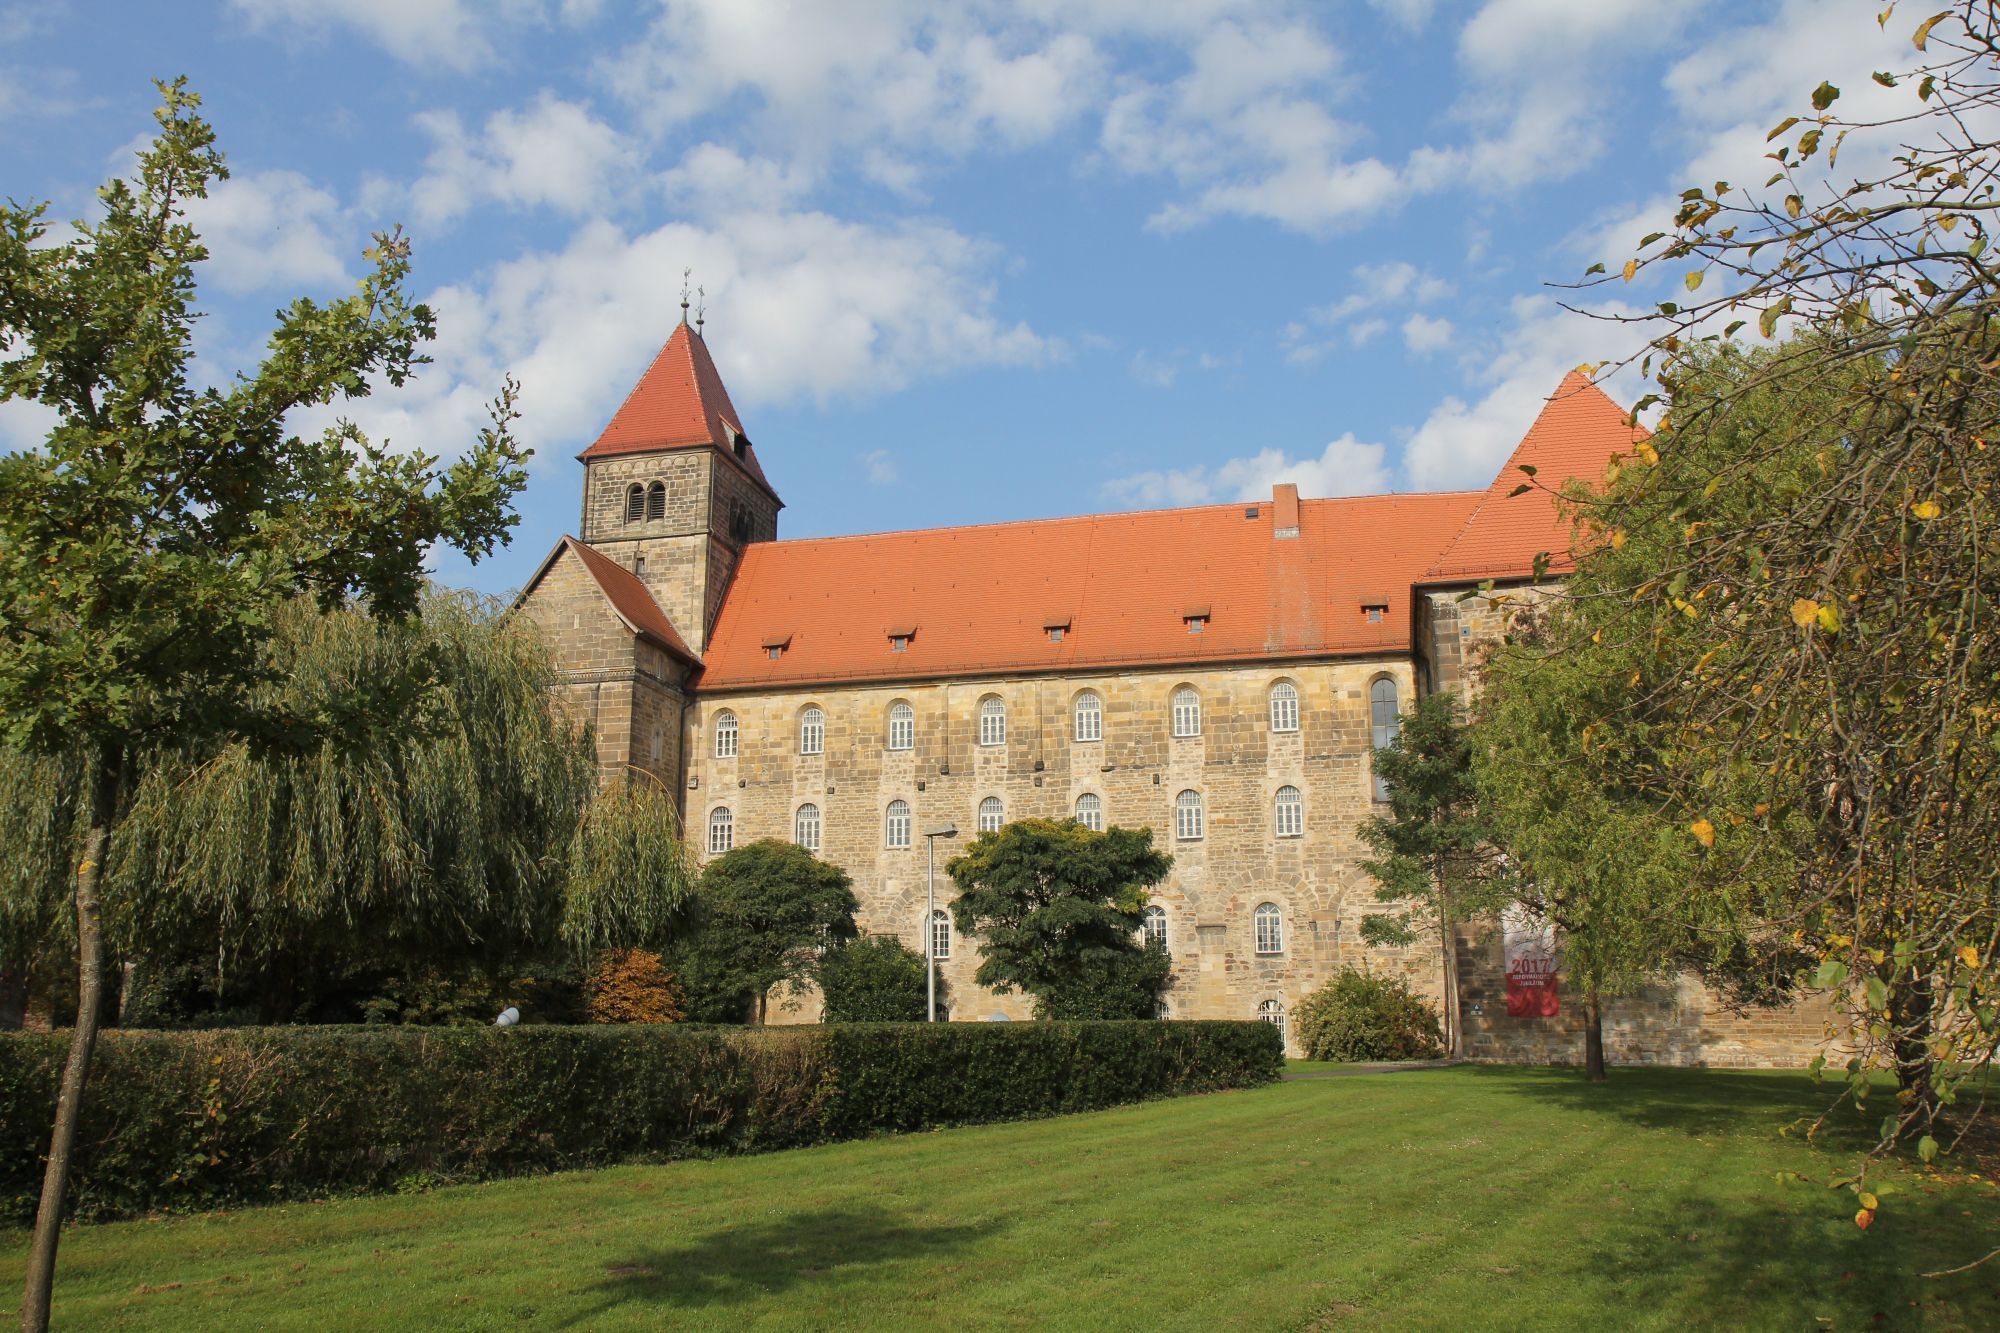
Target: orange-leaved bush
630,986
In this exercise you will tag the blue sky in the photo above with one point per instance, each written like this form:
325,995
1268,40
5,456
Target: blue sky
966,262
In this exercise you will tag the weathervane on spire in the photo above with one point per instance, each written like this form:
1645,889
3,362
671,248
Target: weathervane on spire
686,273
700,307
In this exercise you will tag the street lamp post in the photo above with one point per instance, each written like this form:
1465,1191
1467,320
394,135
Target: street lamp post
930,911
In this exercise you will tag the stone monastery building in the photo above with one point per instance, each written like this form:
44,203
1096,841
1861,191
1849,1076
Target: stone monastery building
1221,674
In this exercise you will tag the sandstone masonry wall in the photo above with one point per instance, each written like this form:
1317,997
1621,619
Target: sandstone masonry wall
1237,763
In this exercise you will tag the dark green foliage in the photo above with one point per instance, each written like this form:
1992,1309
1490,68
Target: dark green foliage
1358,1016
193,1120
1433,850
763,910
874,979
1126,985
1057,909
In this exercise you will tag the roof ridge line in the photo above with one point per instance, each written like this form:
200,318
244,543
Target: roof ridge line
1107,514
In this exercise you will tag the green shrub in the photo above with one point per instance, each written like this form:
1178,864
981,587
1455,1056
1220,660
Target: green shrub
179,1120
1357,1016
874,979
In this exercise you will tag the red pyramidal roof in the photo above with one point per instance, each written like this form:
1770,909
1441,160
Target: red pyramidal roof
679,403
1574,437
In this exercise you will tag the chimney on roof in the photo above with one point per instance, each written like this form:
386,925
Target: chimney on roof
1284,510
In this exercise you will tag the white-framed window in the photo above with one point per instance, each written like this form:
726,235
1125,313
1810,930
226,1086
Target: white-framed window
721,830
1270,928
1290,814
635,502
805,827
1187,712
992,720
1090,811
1385,723
1284,706
656,502
1273,1012
1187,816
896,826
940,934
992,815
812,731
1089,716
902,726
725,735
1154,929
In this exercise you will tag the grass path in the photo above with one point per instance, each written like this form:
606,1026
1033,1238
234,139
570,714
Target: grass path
1501,1198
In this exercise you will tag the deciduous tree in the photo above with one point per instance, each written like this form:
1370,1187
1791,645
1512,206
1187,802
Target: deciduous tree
764,911
1057,910
149,544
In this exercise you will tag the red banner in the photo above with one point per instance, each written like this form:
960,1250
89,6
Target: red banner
1530,950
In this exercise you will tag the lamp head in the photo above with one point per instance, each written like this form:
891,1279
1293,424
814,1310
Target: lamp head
942,831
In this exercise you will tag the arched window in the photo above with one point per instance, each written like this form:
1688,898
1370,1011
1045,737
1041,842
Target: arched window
805,827
1270,928
656,502
1187,816
1089,717
1090,811
725,735
635,503
1187,712
721,830
1291,813
1155,928
657,744
1273,1012
992,720
1284,706
992,814
902,726
896,828
812,731
940,934
1385,723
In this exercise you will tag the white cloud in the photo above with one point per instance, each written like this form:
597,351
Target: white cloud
880,467
550,154
1390,283
1423,335
801,306
272,229
1346,466
1411,14
453,33
1462,444
901,75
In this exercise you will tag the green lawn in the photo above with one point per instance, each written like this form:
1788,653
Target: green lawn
1495,1198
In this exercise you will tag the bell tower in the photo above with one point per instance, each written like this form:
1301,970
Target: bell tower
673,491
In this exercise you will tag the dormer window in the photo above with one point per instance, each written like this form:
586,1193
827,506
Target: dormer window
1195,618
1057,627
775,645
739,443
1056,633
900,636
1375,608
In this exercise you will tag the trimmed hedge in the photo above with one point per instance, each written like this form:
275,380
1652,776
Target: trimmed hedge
178,1120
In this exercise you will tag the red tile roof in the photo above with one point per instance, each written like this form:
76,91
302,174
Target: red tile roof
1573,438
679,403
981,598
628,597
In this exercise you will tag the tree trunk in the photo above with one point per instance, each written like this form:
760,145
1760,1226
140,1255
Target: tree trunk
1913,1003
83,1039
1593,1038
1453,1035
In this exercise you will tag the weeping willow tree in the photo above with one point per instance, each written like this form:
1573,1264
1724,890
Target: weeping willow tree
474,834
